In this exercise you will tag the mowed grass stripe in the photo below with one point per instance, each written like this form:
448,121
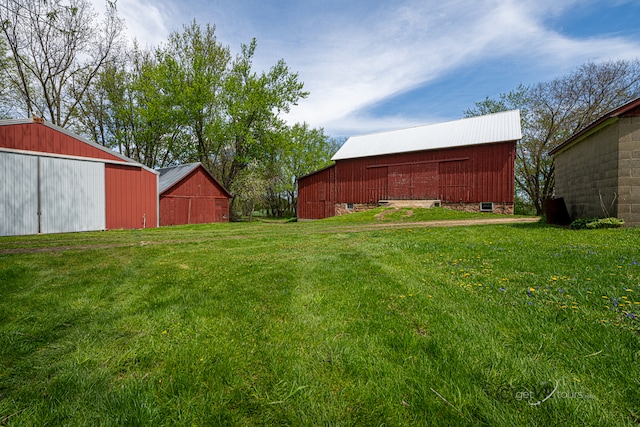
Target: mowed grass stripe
314,323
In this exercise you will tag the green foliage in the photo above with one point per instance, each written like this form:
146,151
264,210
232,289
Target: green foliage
191,100
596,223
302,150
522,206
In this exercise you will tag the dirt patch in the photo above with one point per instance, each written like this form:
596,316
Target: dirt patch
384,213
391,210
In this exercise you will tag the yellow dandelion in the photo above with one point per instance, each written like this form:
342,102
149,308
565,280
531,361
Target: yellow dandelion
605,297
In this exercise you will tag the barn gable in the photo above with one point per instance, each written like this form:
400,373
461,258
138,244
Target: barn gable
189,194
465,164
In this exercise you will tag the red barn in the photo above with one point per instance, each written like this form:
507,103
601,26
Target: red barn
52,180
465,164
189,194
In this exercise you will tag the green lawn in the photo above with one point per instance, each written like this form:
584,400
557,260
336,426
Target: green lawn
333,322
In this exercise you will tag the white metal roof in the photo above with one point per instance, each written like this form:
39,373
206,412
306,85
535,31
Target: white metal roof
498,127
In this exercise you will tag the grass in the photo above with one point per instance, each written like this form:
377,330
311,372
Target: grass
328,322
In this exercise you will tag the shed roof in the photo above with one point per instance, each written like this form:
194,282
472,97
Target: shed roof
170,176
605,120
498,127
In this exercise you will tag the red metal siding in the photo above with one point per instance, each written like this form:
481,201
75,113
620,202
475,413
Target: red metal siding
41,138
131,197
473,174
196,199
316,195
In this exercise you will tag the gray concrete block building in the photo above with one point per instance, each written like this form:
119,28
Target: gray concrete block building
597,170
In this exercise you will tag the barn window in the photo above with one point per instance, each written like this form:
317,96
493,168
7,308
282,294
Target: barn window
486,207
350,206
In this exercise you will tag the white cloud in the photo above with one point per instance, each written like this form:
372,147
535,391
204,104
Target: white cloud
146,21
353,56
411,46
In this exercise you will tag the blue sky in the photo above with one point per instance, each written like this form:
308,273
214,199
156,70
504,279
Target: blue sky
372,66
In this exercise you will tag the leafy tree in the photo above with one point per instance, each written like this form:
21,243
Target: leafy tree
57,49
253,104
190,100
251,188
195,68
131,109
553,111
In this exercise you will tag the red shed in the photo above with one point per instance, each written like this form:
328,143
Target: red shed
52,180
465,164
189,194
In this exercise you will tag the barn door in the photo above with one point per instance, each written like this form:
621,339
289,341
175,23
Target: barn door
72,195
399,182
18,194
376,185
424,181
454,181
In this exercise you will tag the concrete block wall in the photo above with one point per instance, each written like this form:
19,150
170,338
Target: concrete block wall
629,170
586,175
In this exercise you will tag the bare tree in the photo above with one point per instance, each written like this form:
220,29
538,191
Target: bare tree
553,111
57,49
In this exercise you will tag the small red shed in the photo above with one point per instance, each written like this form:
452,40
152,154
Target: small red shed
189,194
52,180
465,164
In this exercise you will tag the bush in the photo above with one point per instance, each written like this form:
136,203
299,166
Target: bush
606,223
593,223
